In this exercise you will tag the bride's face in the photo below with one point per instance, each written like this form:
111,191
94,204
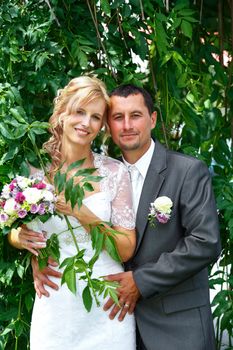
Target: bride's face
83,125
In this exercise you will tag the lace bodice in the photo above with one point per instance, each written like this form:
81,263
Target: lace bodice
115,191
117,184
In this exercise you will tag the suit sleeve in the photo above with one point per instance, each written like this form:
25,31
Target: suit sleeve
197,248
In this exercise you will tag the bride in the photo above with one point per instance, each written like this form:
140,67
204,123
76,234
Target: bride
61,321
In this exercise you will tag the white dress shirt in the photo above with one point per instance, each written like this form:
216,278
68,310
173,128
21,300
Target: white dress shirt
142,166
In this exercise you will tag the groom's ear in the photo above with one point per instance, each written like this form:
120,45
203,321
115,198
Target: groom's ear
153,119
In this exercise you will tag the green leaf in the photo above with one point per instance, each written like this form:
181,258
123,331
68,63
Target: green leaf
68,189
97,238
110,247
38,131
69,277
20,131
18,116
80,265
105,7
92,178
186,29
76,164
40,125
82,58
10,154
85,172
6,132
88,187
67,262
59,181
87,298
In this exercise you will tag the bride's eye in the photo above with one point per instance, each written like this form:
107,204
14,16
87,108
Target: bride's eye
80,112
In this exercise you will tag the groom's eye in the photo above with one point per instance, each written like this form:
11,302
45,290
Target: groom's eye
136,115
117,117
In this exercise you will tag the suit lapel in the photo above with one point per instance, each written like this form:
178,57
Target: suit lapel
152,184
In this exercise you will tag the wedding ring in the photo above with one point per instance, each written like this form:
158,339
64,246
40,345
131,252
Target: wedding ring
126,305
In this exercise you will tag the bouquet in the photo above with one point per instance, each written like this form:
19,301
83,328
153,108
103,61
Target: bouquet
24,200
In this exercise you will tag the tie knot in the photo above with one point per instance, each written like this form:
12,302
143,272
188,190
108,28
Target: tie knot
133,172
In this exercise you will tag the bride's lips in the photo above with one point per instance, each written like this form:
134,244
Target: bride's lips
81,131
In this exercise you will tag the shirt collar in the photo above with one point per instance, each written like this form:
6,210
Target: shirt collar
143,163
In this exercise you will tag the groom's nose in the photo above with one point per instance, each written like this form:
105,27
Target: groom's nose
127,123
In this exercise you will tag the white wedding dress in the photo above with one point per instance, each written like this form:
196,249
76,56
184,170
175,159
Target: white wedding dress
61,322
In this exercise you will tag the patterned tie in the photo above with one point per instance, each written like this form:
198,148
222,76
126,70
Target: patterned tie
135,178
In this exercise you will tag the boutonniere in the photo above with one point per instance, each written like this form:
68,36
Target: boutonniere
160,210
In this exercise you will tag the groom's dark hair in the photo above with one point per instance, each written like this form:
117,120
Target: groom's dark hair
130,89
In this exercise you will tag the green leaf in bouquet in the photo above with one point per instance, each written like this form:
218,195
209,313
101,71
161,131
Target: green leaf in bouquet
111,248
76,164
6,230
68,189
85,172
87,298
69,277
80,265
112,292
97,238
67,262
80,254
92,261
52,249
92,178
77,196
59,181
43,218
87,186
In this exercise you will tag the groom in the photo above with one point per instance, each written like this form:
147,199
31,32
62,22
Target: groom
166,281
167,278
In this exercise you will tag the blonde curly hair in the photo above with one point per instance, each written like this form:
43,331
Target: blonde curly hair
77,93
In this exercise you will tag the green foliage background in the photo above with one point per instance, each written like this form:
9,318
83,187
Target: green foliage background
179,47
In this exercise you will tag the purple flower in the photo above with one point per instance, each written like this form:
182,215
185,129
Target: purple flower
4,217
19,198
41,210
22,213
34,208
162,218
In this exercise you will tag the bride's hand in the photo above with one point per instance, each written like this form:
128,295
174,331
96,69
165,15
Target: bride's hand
24,238
63,207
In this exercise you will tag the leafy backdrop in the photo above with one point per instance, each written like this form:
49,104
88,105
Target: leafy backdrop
179,50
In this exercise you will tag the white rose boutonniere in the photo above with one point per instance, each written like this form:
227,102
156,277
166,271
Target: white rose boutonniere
160,210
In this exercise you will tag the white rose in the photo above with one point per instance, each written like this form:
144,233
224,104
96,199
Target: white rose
32,195
6,191
23,182
163,204
9,206
48,196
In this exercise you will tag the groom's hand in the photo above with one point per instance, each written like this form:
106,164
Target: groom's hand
128,294
41,277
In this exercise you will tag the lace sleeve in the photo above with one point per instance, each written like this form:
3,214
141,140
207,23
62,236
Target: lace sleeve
122,204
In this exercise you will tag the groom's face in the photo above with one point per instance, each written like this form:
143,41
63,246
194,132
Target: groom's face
130,124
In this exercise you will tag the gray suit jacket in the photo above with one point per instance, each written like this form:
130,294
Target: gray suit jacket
170,261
